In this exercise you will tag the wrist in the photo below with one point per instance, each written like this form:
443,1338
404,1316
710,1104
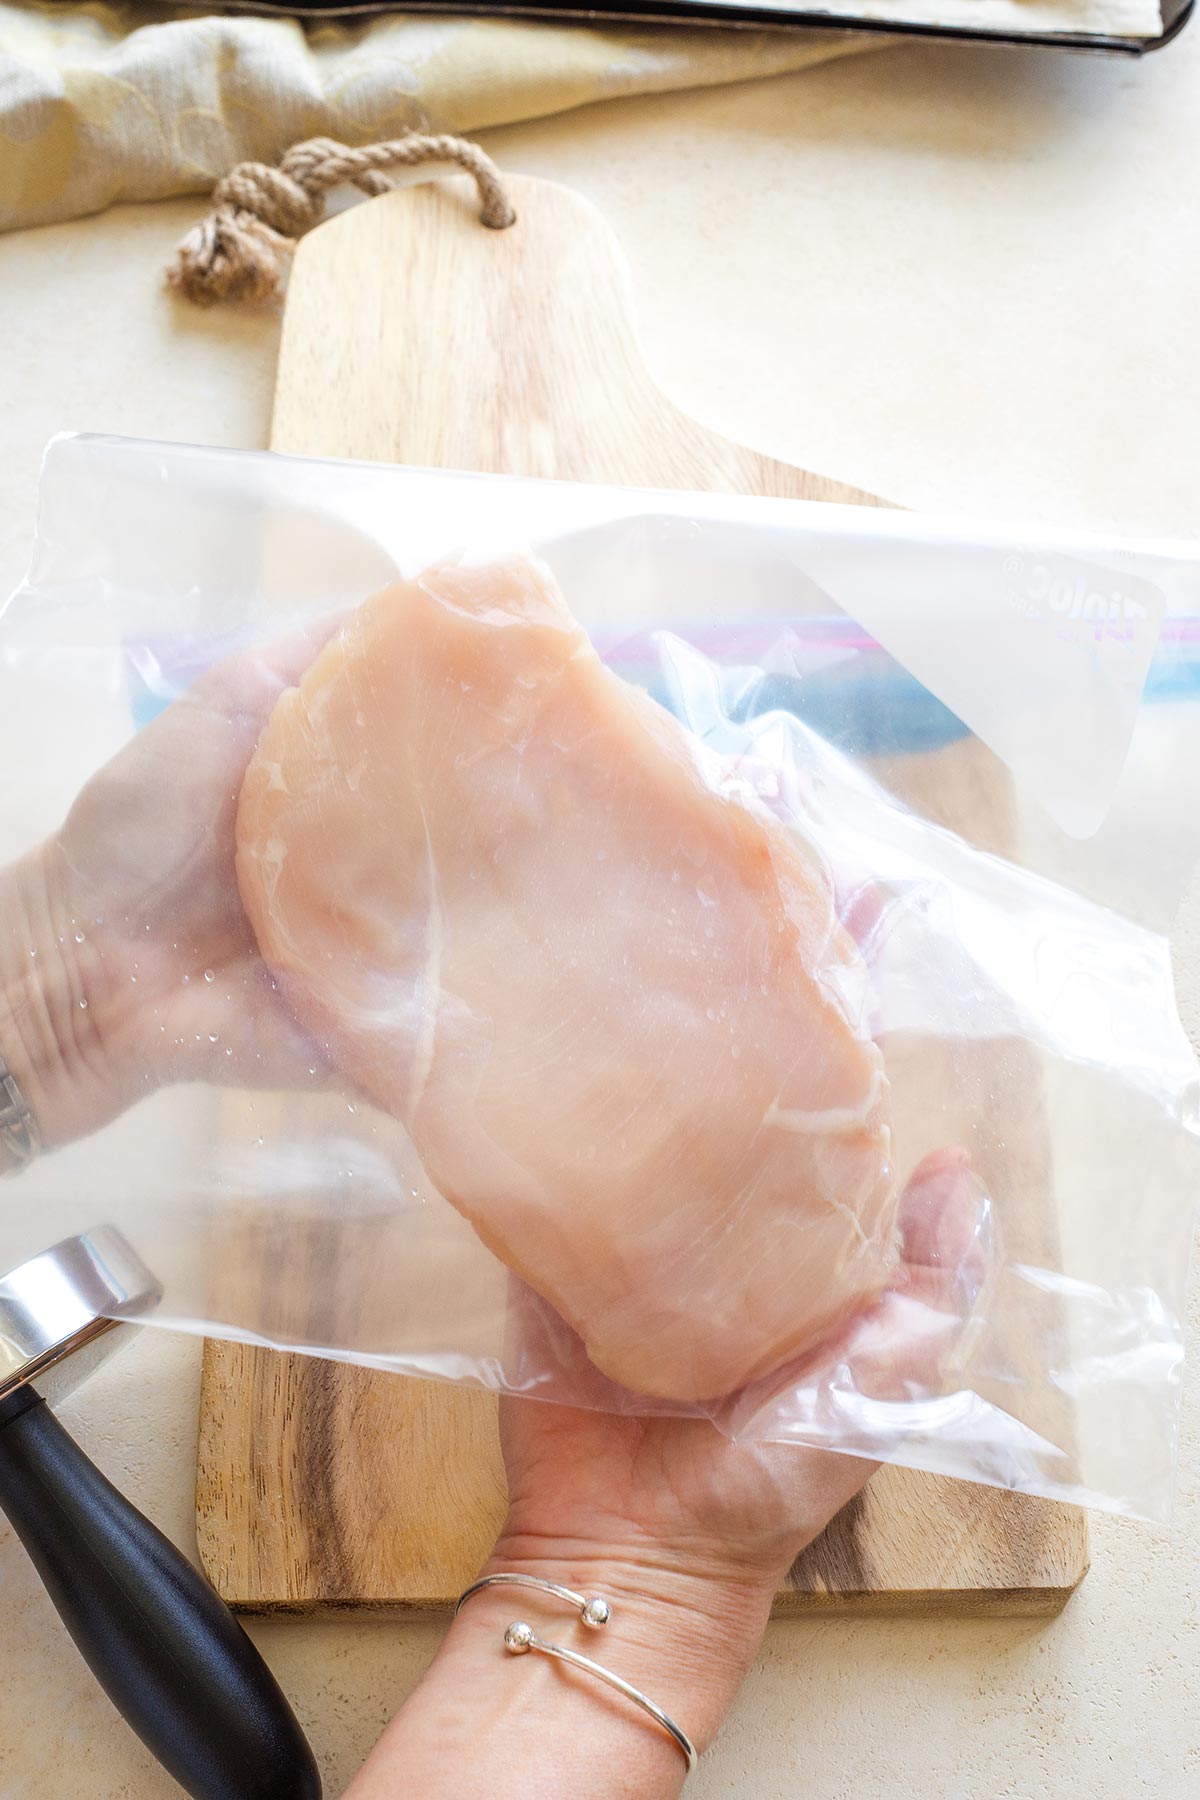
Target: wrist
526,1727
683,1628
55,1025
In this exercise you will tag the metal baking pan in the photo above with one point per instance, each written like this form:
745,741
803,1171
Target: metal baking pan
728,14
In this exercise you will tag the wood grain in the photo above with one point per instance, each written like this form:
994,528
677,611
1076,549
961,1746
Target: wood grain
414,335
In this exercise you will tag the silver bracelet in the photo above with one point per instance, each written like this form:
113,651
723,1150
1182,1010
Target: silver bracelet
18,1128
595,1612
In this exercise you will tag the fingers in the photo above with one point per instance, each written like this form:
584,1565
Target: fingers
862,908
944,1219
246,686
288,657
544,1357
898,1352
901,1346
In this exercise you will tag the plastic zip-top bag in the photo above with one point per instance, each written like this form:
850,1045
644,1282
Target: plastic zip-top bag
651,951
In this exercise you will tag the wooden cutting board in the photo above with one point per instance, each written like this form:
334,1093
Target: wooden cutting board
414,335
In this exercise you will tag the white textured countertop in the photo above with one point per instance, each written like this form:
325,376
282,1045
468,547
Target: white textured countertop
963,278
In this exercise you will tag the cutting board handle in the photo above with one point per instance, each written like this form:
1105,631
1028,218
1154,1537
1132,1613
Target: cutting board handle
412,336
239,249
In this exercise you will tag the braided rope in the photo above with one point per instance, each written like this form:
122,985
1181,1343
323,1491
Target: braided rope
239,250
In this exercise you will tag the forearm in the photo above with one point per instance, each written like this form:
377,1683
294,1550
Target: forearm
484,1721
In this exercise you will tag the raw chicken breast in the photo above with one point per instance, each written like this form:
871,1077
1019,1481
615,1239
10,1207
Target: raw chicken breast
612,1006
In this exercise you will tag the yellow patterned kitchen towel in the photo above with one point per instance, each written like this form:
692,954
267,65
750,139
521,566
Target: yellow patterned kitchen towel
101,103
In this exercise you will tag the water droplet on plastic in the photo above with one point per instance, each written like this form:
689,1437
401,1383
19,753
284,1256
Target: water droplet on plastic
186,979
229,1049
212,1037
83,1006
79,937
208,975
260,1142
350,1106
133,978
312,1068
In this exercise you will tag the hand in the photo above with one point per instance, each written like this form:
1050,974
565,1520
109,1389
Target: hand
677,1492
128,960
687,1534
694,1534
